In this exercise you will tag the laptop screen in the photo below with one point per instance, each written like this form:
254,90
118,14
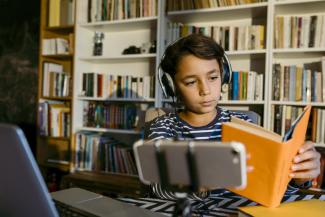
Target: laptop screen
22,189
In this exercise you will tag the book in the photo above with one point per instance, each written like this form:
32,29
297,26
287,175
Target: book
271,156
315,208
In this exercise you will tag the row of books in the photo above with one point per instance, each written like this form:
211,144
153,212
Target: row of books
106,115
56,46
231,38
244,86
299,31
99,152
105,86
56,82
284,115
178,5
61,12
102,10
295,83
54,119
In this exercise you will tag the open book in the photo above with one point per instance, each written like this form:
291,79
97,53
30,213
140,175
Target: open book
271,157
314,208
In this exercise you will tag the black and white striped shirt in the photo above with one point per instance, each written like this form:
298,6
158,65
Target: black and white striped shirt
171,126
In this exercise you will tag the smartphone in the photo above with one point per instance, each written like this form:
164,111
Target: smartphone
214,164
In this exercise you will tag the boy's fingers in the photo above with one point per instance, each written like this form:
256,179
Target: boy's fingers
308,145
249,168
308,155
310,174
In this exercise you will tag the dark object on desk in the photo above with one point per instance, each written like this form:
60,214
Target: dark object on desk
86,203
22,188
23,191
132,50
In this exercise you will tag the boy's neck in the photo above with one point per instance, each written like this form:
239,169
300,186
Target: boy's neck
197,120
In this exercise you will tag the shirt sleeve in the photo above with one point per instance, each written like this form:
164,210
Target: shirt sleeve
241,116
160,129
293,187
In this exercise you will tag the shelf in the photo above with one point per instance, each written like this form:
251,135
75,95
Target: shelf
298,50
127,57
56,98
218,9
109,130
60,166
67,28
122,25
288,2
245,52
59,56
223,13
230,102
57,138
116,99
322,104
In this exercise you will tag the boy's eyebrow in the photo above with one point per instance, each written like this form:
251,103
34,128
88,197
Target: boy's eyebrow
209,72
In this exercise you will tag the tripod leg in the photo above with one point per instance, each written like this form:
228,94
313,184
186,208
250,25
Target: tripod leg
182,208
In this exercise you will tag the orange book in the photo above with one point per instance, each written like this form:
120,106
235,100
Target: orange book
271,157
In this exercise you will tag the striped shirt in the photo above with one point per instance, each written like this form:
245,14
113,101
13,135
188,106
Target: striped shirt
171,126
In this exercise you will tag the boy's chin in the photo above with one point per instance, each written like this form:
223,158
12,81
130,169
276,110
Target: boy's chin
206,110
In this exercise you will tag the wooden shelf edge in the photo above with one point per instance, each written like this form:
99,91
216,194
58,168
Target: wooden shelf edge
218,9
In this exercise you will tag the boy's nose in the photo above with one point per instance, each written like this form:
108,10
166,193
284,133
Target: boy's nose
204,89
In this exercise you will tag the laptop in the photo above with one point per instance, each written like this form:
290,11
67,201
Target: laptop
23,191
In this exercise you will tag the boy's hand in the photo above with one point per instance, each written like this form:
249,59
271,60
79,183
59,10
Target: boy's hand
306,164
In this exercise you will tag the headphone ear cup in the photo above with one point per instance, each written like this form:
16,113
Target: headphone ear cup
225,73
227,70
168,84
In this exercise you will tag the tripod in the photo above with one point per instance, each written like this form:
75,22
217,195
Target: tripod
183,206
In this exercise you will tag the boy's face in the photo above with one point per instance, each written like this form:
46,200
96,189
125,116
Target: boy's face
198,82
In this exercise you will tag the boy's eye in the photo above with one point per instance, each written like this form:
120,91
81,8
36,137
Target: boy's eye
188,83
214,77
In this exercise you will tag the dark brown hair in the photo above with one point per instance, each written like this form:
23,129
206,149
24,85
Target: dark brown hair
196,44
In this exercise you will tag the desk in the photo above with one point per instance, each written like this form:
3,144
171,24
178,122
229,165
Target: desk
225,205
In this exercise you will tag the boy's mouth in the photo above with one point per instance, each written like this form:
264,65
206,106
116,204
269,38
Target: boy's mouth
207,103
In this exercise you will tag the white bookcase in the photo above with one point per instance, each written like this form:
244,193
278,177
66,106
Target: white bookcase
119,34
292,56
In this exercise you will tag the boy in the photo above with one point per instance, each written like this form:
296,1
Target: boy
194,64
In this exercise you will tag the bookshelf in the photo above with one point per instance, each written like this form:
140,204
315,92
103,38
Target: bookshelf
295,55
135,29
112,82
56,68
